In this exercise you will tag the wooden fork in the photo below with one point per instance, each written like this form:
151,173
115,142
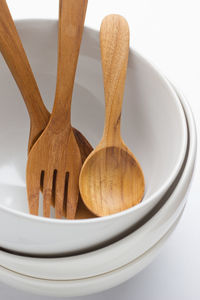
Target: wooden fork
55,159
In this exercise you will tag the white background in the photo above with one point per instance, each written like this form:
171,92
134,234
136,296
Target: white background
167,33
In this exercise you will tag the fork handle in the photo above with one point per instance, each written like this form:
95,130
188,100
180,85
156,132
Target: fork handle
71,24
13,52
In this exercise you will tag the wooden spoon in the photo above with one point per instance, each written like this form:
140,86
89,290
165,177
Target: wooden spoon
13,52
55,157
111,179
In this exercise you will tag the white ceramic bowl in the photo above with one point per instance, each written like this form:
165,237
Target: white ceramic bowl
117,254
29,273
153,126
75,288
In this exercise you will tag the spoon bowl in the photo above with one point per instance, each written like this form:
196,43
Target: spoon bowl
119,177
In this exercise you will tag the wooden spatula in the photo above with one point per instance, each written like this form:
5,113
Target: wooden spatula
55,157
16,59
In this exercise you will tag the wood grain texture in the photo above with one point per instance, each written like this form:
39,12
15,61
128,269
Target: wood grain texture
14,54
83,212
16,59
55,157
111,179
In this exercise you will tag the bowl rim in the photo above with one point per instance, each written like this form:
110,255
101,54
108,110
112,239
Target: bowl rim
164,187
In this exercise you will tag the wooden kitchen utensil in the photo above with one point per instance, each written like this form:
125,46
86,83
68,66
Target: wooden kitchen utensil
55,157
83,212
17,61
111,179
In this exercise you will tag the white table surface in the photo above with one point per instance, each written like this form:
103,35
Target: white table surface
167,33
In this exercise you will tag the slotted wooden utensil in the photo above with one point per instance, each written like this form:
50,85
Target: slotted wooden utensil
55,157
111,179
13,52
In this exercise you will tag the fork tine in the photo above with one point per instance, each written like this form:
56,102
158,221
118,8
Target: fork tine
59,194
33,191
47,193
72,196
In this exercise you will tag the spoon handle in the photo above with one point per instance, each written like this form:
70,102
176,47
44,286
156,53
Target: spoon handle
17,61
114,40
71,24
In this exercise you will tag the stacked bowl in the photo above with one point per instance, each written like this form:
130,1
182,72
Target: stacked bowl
79,257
